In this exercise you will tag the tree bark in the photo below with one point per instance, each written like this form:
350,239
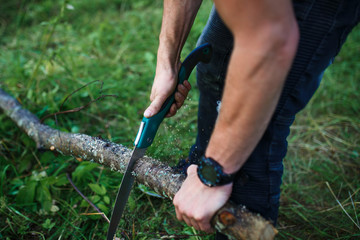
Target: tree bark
232,220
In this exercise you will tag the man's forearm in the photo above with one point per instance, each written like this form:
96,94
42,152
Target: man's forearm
178,18
257,70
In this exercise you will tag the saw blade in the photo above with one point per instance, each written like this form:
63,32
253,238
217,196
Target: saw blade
124,192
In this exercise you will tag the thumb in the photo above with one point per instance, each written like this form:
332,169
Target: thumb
154,107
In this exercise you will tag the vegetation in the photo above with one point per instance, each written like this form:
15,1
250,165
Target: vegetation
50,48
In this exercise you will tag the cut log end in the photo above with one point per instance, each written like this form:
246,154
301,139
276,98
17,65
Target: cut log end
240,223
227,218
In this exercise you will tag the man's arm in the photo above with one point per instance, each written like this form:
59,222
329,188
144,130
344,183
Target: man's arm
265,41
178,18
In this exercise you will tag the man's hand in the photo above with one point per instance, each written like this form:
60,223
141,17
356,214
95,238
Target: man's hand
196,203
163,86
178,17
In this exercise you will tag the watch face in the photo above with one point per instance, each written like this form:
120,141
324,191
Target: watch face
209,173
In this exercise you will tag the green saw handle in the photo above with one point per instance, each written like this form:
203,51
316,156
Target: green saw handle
149,126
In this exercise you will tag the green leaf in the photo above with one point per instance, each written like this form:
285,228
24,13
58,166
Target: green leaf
84,203
97,188
50,180
95,198
17,182
61,180
43,196
103,208
83,172
48,224
106,199
149,191
27,193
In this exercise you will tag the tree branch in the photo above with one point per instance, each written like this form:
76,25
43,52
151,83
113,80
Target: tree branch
235,221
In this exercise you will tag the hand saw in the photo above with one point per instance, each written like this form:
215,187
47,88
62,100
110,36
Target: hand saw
147,132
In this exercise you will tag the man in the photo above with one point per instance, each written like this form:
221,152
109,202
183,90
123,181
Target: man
268,59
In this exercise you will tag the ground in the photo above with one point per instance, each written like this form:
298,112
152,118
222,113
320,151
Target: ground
49,49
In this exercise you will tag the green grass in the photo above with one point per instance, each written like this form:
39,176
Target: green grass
323,157
48,51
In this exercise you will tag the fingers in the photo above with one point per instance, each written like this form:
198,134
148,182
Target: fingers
189,221
187,84
180,96
194,224
201,224
184,88
179,99
172,111
157,101
191,208
154,107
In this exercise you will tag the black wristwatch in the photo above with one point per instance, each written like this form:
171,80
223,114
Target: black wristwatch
211,173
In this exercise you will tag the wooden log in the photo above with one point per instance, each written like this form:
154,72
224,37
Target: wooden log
234,221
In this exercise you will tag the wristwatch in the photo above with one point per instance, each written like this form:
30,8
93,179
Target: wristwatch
211,173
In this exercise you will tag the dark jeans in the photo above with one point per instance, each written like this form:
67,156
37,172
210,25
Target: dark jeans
324,26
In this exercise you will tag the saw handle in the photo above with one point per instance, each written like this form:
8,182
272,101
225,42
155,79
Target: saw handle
149,126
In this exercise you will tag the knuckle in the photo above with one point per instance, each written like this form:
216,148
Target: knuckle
177,96
179,104
181,96
188,213
182,88
187,85
199,216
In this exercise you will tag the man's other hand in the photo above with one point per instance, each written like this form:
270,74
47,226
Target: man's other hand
196,203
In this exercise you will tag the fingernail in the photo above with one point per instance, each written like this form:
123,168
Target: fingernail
147,113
